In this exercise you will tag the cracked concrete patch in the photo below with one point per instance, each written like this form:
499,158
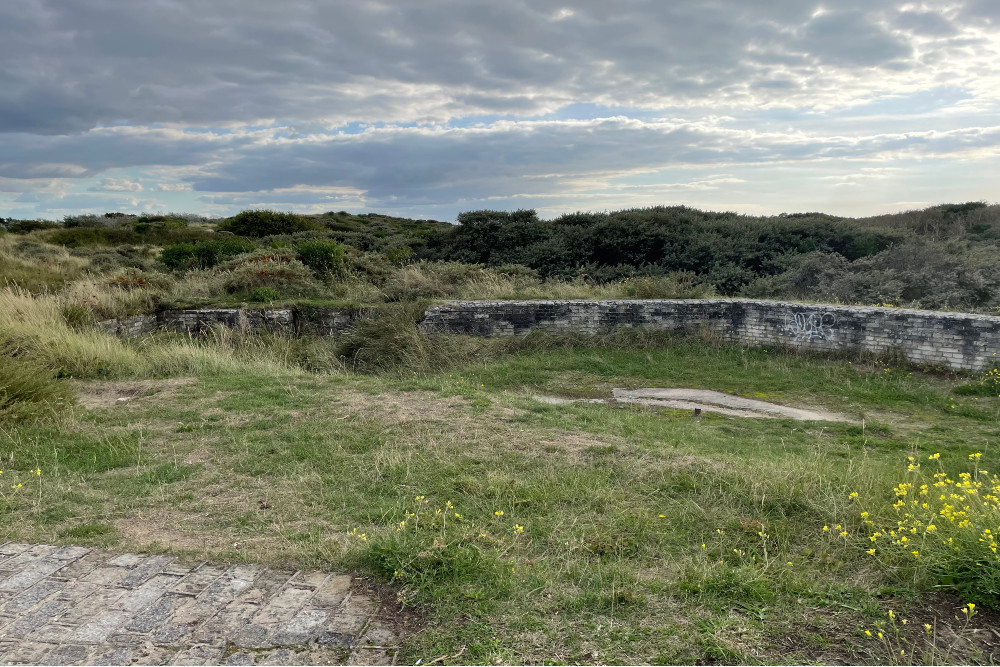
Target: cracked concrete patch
706,400
80,606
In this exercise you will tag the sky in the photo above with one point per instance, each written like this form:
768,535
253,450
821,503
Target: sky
427,108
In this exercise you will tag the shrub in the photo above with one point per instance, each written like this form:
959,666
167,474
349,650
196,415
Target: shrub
277,269
25,226
679,285
204,254
325,258
91,220
262,222
104,259
155,233
264,295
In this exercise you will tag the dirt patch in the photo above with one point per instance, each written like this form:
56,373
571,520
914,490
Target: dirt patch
94,395
175,532
569,442
397,406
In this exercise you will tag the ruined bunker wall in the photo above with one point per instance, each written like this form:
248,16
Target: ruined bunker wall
954,340
312,321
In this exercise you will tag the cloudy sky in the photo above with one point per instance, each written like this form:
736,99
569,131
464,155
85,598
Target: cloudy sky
426,108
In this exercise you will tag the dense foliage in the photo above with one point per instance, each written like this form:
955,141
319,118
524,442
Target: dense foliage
262,222
940,257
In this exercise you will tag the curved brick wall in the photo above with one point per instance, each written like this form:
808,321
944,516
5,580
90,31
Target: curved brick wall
955,340
299,321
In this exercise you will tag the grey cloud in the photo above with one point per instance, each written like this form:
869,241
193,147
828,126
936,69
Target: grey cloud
68,66
89,153
414,167
850,38
927,23
983,9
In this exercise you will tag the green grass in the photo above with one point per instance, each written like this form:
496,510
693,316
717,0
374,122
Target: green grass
587,532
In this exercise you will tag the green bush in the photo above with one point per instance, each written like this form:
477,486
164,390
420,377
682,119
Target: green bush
325,258
205,254
264,295
25,226
140,233
27,390
262,222
276,269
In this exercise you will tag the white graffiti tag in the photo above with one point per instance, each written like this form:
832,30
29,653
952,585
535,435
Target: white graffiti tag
810,326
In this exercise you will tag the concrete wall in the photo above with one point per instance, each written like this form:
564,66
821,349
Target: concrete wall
958,341
297,321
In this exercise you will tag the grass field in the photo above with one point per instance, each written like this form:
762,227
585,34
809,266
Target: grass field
504,529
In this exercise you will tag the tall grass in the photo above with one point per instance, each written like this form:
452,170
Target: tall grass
34,328
36,266
27,390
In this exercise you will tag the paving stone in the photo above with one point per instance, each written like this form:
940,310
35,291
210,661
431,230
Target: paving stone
27,556
98,630
283,606
114,656
155,615
53,632
84,609
6,646
28,653
67,654
69,553
253,636
24,601
153,655
147,593
37,618
332,593
348,622
282,656
311,579
225,624
73,605
240,659
107,575
126,560
127,639
306,626
13,548
31,574
145,570
199,579
264,586
199,654
83,566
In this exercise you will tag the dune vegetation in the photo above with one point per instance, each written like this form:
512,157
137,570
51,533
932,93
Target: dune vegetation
506,509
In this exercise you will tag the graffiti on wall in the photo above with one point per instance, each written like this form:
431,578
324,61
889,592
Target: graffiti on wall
810,325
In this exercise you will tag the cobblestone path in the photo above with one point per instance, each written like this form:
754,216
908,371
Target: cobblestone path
74,605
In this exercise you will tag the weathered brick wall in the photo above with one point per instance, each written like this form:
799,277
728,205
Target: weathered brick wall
955,340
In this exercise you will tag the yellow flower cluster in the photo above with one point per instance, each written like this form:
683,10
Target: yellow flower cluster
958,514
